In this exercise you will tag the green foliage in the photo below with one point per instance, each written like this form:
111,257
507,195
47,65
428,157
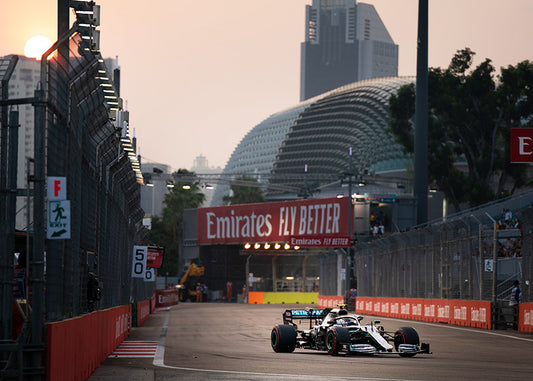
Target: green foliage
402,109
167,230
470,116
244,194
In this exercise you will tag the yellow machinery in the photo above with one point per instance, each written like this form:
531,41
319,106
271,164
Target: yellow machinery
189,282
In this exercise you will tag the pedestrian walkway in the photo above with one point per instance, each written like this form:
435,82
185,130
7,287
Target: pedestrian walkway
135,349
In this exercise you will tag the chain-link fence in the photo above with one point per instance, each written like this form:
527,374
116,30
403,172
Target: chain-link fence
78,248
77,138
84,145
472,256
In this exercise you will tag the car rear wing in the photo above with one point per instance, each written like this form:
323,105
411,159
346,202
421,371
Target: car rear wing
304,314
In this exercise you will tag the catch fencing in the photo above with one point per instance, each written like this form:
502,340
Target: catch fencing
81,136
77,137
86,146
471,256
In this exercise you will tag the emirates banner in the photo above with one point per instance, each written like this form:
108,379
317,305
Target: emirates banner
154,257
317,222
521,145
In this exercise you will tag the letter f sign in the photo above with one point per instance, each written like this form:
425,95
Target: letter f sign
521,145
57,187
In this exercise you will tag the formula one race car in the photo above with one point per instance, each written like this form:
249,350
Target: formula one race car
335,330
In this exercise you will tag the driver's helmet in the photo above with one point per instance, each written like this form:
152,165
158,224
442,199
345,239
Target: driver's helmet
332,316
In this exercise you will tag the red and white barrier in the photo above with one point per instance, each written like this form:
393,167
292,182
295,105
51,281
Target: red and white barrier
143,312
458,312
152,303
166,298
76,347
329,301
525,319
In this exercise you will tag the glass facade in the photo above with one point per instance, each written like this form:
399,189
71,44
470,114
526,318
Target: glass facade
318,133
344,42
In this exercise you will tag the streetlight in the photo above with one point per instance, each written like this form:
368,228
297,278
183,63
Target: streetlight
353,177
421,116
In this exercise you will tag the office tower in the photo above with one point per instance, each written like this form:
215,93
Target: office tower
345,42
22,84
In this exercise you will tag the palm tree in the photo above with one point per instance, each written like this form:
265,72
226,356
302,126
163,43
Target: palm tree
167,231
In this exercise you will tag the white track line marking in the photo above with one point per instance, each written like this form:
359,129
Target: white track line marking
135,349
481,331
160,357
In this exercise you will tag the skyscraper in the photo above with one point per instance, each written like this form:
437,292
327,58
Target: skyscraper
345,42
22,84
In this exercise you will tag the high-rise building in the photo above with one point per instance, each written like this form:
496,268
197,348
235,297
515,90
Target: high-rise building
201,166
156,176
22,84
345,42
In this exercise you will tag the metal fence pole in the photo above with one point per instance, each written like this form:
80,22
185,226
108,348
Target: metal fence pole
38,224
494,259
11,205
480,253
6,244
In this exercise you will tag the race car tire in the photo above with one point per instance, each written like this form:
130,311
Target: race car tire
283,338
335,338
406,335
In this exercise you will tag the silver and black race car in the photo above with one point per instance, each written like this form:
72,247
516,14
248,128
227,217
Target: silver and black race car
335,330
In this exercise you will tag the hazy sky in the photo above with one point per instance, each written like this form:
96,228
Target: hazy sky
198,75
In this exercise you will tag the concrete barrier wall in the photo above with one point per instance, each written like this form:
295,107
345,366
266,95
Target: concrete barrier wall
525,319
467,313
329,301
143,312
76,347
166,298
152,304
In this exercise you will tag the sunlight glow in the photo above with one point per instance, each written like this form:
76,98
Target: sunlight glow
36,46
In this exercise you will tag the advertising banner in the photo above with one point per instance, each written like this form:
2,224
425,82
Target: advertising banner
521,145
469,313
154,257
317,222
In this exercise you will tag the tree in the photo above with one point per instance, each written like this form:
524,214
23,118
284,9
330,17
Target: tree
470,116
167,230
244,194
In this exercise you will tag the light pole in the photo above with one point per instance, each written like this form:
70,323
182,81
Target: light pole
351,175
421,116
350,214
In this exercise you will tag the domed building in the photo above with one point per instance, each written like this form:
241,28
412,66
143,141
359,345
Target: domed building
308,145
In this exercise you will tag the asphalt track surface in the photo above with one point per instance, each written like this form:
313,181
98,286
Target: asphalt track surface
228,341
